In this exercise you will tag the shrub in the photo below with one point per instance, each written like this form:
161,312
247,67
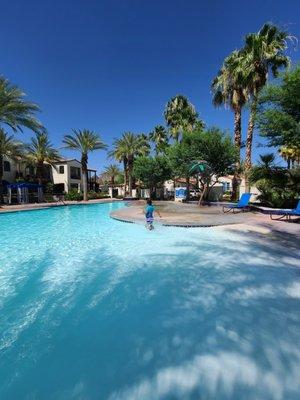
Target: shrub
97,195
49,188
279,187
275,196
74,195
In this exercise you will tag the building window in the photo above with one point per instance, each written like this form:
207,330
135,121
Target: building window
226,186
75,173
61,169
6,166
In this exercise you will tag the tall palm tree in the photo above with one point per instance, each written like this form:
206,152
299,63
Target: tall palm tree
180,116
263,53
15,111
159,137
40,151
85,141
11,148
112,171
229,90
125,150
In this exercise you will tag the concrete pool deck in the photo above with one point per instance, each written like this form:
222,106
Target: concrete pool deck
191,215
40,206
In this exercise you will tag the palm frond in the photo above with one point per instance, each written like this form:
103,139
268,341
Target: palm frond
15,111
10,147
40,150
84,141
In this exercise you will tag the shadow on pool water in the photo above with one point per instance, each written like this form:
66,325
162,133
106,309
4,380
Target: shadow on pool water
206,320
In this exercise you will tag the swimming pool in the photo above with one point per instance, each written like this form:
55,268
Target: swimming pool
93,308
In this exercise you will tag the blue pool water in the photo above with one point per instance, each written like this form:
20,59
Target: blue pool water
93,308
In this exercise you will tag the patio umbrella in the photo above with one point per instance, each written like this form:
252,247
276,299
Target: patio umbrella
200,167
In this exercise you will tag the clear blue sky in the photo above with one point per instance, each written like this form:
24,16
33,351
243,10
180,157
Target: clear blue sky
111,66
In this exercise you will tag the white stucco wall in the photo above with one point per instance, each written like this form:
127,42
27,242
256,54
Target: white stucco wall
60,178
65,178
10,176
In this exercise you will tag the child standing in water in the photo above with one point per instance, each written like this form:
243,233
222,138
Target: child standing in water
149,210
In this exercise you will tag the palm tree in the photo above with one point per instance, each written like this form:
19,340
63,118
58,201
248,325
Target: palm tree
118,153
84,141
40,151
159,137
291,155
15,111
9,147
263,54
229,90
264,168
112,171
266,160
180,116
125,150
139,147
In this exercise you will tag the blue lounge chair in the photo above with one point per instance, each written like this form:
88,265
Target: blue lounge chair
242,205
286,213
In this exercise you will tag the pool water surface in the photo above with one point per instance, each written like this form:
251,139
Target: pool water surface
93,308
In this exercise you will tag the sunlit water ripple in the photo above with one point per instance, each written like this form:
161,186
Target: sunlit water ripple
92,308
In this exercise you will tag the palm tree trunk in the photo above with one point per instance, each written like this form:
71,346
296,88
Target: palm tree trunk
129,182
174,183
130,168
1,178
39,172
237,143
249,141
187,188
84,161
238,132
125,175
